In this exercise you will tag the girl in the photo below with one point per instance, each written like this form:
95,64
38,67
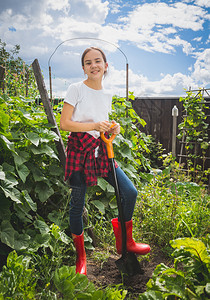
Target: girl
85,114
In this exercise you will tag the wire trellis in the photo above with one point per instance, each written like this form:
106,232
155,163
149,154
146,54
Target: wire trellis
86,38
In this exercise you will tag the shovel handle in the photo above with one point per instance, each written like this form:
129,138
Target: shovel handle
108,142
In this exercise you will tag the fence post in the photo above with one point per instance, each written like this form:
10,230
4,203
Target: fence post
175,113
49,110
2,71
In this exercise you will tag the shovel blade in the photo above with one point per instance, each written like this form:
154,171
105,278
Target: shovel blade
129,264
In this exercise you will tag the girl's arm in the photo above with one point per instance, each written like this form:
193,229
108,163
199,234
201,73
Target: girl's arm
67,124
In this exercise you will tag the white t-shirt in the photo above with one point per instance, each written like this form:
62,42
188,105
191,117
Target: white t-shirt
89,105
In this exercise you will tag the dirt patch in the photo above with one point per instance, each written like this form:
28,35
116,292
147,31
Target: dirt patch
107,273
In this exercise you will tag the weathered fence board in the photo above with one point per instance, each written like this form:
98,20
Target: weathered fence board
157,112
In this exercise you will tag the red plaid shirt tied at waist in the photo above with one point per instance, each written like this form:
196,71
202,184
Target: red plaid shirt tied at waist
81,157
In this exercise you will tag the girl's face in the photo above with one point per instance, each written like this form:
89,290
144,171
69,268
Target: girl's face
94,65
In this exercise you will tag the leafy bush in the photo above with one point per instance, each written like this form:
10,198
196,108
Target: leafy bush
31,179
76,286
190,277
194,132
131,144
19,78
168,208
17,280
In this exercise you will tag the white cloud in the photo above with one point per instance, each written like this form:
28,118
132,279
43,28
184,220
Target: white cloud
98,9
141,85
68,27
115,8
197,39
156,26
202,68
178,15
169,84
88,11
23,20
204,3
62,5
39,49
151,27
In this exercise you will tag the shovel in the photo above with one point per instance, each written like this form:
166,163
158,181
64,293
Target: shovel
128,264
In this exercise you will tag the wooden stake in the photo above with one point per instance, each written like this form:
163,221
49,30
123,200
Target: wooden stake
49,111
2,72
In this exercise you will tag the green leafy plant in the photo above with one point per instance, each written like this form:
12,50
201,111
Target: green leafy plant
30,175
17,280
194,132
188,279
131,144
34,197
48,250
170,208
76,286
19,79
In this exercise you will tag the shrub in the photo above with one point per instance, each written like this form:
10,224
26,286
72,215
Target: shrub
188,279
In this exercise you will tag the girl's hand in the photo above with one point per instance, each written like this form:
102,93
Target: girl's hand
115,129
102,126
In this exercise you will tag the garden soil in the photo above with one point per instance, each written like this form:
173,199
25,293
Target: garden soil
107,274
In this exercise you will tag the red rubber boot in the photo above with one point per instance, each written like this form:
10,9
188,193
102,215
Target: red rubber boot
131,245
81,255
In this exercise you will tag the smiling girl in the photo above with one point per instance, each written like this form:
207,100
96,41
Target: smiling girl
85,115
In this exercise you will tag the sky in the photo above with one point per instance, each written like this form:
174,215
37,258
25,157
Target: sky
165,43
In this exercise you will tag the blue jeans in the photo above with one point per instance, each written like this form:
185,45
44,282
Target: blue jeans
128,195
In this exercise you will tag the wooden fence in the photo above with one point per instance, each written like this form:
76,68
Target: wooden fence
157,112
